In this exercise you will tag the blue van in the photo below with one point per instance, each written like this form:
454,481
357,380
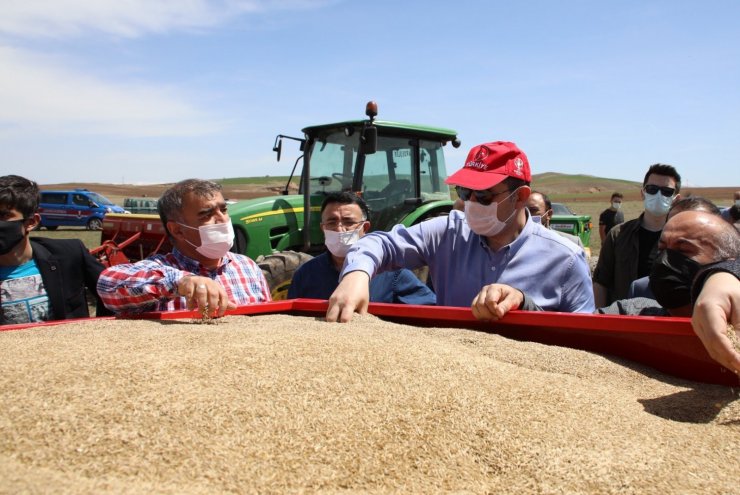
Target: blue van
78,207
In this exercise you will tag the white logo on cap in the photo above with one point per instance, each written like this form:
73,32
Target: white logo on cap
518,164
481,154
478,160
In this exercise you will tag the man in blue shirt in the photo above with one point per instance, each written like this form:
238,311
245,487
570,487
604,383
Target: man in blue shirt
493,257
344,221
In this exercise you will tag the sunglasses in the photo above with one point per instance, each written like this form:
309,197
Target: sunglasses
665,191
484,197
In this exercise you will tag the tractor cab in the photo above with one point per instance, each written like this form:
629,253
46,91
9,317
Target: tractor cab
397,168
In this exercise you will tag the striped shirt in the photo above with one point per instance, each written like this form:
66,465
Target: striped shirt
151,284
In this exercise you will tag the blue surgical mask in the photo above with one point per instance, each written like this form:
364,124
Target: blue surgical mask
657,204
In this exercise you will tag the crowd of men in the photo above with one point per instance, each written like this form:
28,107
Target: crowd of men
495,252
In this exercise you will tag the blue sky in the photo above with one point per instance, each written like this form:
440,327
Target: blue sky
149,91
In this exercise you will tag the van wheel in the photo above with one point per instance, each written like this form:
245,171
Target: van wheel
51,227
95,224
279,269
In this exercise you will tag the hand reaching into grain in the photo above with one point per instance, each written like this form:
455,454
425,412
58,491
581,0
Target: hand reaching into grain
351,295
716,318
204,294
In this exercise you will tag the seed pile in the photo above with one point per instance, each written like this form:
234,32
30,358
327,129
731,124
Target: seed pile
275,404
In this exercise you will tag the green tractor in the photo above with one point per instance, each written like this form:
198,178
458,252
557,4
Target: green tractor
398,168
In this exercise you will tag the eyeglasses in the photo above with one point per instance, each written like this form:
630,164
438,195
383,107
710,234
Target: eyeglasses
484,197
347,225
665,191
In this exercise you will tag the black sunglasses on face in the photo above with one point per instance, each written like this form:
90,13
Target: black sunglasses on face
665,191
484,197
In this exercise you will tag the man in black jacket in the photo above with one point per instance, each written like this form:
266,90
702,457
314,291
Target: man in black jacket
40,279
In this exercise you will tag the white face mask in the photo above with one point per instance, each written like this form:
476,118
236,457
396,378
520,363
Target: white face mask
483,220
215,239
657,204
338,243
616,206
737,202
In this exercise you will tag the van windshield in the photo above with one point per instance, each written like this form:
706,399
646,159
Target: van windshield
101,200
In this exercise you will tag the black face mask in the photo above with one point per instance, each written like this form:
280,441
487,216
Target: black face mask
11,233
671,277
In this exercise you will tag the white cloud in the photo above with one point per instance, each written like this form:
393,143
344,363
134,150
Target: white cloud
40,94
128,18
46,94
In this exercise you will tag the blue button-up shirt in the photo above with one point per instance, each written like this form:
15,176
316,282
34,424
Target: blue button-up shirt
552,271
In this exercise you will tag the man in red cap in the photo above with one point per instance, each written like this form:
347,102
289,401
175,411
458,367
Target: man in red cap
492,257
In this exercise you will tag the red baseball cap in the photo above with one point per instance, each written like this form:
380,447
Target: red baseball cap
490,163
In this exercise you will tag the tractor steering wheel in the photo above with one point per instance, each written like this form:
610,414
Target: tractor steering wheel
401,186
341,177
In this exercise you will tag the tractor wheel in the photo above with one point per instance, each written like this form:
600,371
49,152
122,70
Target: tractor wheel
279,269
95,224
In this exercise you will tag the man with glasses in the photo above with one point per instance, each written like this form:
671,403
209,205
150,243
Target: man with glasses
344,220
493,257
630,248
200,272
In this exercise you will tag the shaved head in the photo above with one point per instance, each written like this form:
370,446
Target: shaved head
701,236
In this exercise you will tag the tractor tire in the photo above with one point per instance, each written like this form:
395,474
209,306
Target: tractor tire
279,269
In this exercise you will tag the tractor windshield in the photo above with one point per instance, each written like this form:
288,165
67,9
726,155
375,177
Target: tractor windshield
389,174
332,162
400,175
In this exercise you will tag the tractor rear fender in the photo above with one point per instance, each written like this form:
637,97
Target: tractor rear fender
427,211
289,241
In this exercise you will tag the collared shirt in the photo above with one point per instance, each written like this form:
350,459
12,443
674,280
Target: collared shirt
151,284
318,278
540,263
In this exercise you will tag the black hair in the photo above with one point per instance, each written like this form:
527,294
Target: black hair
663,169
20,194
346,198
693,203
618,195
545,198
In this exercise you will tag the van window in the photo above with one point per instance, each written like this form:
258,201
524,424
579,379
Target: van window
101,200
54,198
80,200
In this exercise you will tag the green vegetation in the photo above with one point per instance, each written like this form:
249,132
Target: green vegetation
90,238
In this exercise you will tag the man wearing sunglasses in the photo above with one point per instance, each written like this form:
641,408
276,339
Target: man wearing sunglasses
629,249
493,257
344,220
